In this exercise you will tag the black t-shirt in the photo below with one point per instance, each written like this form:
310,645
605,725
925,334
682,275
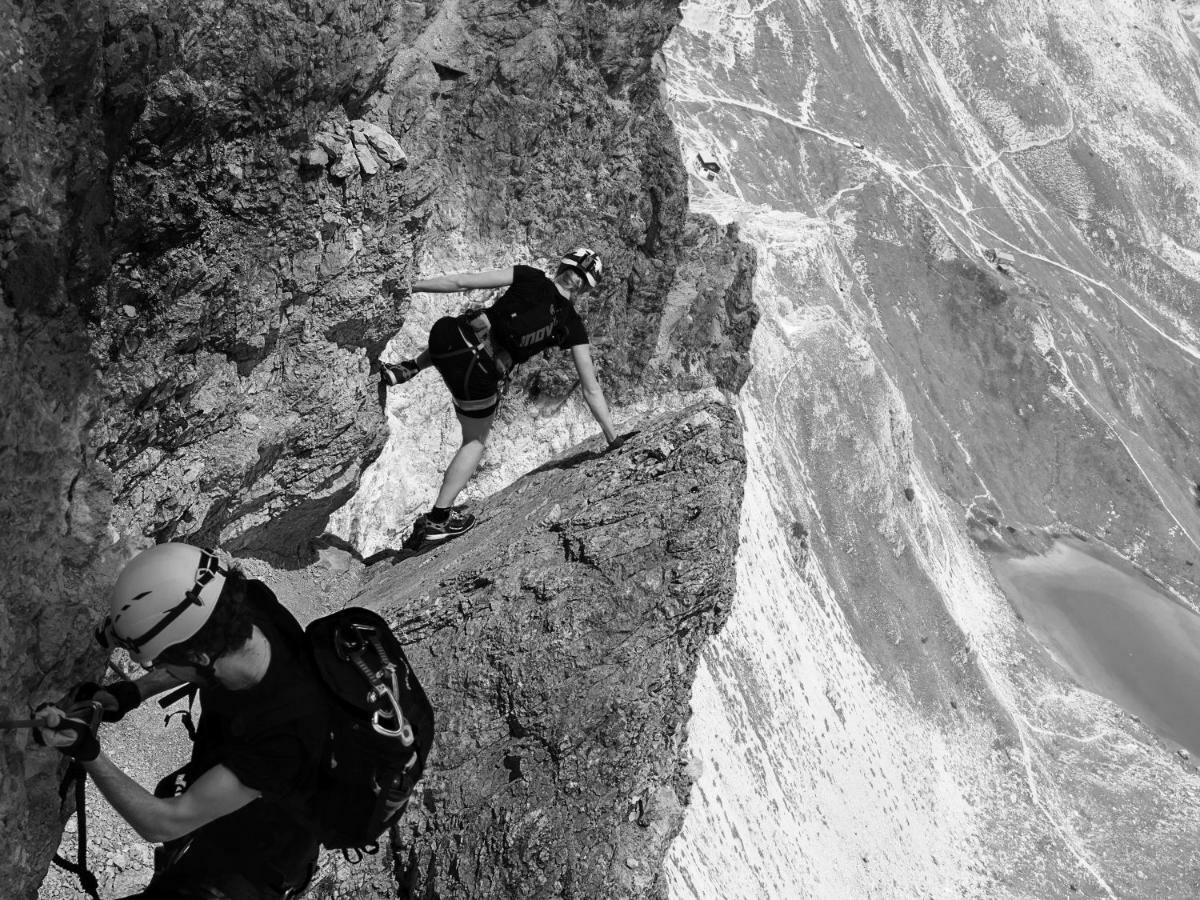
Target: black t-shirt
272,736
532,316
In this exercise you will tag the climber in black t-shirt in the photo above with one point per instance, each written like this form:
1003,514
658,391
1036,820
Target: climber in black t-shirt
236,822
474,353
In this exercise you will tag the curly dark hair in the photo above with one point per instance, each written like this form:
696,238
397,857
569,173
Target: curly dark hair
228,628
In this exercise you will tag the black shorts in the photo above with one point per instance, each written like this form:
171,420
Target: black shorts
467,367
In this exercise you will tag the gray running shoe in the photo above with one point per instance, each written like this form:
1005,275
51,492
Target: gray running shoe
456,523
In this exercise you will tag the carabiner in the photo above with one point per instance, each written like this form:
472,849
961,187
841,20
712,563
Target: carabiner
402,730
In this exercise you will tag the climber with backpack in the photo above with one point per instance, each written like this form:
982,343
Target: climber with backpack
304,738
476,352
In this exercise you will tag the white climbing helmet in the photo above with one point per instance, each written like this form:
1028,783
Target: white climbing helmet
163,596
586,263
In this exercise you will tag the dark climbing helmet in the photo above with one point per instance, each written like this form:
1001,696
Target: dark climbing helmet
586,263
163,596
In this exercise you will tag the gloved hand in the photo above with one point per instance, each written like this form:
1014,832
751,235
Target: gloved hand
70,736
391,375
117,698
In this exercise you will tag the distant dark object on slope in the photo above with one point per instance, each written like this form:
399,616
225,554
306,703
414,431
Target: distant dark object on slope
709,167
1004,262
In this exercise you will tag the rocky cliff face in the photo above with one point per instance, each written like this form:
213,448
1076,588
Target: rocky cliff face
545,128
560,660
208,226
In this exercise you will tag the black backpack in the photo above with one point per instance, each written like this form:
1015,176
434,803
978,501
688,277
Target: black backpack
374,757
521,324
381,724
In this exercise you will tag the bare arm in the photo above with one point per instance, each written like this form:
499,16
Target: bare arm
155,682
465,281
593,394
216,793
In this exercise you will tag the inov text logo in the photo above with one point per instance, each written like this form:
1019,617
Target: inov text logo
536,336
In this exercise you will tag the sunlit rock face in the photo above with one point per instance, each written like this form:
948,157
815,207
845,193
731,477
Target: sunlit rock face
558,641
541,129
694,347
976,228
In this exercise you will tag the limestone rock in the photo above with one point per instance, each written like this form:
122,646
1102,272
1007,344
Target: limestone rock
708,317
381,142
557,641
315,157
331,143
367,160
348,162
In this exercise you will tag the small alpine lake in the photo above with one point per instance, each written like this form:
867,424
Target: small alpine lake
1114,630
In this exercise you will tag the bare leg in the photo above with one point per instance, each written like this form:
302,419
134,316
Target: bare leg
466,459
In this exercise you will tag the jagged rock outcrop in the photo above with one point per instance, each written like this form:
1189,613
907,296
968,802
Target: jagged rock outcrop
708,315
222,295
558,641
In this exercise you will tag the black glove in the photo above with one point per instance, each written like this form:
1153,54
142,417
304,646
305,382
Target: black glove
124,697
74,737
390,375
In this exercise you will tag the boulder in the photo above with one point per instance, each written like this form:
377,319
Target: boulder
367,160
315,157
347,163
386,146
